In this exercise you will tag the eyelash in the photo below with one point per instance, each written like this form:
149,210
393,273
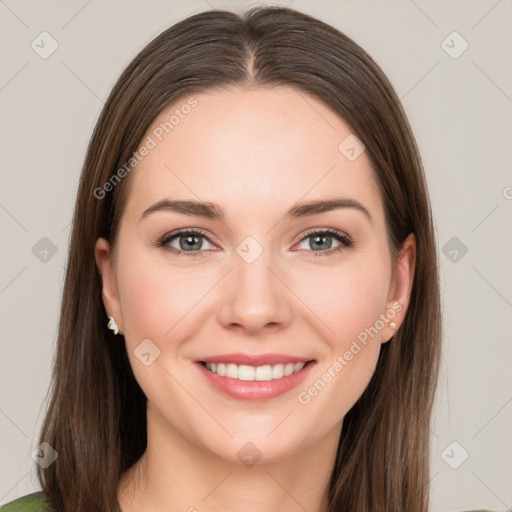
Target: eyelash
338,235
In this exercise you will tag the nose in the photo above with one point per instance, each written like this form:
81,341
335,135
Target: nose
256,297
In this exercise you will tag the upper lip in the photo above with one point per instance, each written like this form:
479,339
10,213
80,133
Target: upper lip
253,359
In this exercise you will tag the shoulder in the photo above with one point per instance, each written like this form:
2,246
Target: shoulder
34,502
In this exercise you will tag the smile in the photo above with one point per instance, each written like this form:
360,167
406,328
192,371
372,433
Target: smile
246,382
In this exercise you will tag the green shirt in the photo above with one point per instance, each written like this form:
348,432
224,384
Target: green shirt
36,503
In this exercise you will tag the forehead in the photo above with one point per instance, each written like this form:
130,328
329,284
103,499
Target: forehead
265,147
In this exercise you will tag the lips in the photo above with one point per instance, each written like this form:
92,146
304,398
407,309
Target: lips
290,372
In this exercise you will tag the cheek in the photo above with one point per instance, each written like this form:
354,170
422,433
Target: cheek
348,299
161,304
157,300
350,307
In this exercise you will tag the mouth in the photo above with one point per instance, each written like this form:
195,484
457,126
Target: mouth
251,373
250,382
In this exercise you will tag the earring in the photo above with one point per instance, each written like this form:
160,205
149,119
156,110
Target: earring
112,325
392,325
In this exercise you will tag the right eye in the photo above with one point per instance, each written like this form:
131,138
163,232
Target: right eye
186,239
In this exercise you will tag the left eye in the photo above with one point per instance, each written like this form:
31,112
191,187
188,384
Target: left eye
323,240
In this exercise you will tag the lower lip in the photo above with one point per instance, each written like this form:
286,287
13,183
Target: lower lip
255,390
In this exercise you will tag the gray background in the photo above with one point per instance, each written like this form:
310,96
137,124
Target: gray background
460,110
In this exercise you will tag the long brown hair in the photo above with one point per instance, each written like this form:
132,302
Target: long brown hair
96,418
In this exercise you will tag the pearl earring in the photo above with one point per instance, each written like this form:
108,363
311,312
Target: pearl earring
112,325
392,325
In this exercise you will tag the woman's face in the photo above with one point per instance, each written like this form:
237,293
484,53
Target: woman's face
256,282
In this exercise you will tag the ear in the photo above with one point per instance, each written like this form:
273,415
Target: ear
109,292
400,289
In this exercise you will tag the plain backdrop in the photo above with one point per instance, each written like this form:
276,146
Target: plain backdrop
450,62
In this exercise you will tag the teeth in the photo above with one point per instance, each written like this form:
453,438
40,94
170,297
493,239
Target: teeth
231,371
254,373
288,369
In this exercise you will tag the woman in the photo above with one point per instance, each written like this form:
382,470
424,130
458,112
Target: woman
208,358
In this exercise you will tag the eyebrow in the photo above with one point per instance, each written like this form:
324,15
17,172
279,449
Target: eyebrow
213,211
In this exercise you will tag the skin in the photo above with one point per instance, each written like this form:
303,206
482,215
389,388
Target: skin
255,152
